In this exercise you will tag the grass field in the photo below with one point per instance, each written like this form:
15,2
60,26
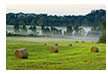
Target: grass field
77,57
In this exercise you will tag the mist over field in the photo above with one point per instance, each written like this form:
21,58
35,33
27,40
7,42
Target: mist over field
56,37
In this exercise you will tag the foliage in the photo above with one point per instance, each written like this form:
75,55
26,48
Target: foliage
69,28
76,28
47,29
23,26
16,27
103,25
33,22
33,28
103,29
91,19
42,27
103,38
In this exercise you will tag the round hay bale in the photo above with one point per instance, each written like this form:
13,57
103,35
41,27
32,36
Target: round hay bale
55,44
97,42
76,41
21,53
70,44
45,43
94,49
82,42
54,49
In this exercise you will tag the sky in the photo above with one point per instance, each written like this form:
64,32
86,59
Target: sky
54,9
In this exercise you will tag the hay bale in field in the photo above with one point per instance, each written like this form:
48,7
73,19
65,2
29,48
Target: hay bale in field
97,42
54,49
55,44
45,43
70,44
21,53
76,41
82,42
94,49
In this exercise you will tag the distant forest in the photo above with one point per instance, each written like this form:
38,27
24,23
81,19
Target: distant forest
94,18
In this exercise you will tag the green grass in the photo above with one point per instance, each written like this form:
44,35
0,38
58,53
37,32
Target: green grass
77,57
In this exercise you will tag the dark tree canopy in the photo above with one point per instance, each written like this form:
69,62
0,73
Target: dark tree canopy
94,18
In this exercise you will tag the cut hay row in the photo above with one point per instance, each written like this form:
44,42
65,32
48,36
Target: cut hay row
56,44
23,53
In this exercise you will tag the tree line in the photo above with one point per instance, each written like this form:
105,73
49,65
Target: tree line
96,18
93,18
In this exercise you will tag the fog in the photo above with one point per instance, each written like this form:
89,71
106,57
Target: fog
88,35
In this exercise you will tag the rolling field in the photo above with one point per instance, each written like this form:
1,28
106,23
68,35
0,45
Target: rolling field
77,57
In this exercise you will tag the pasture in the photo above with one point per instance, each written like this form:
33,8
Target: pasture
75,57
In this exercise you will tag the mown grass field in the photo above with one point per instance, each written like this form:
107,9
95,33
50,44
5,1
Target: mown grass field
77,57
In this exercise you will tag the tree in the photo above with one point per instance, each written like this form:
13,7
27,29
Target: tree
103,25
23,26
32,22
41,21
69,28
42,27
76,28
33,28
90,19
16,27
102,39
47,29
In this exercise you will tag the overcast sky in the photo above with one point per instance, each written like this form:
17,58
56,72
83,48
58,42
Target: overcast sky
75,9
